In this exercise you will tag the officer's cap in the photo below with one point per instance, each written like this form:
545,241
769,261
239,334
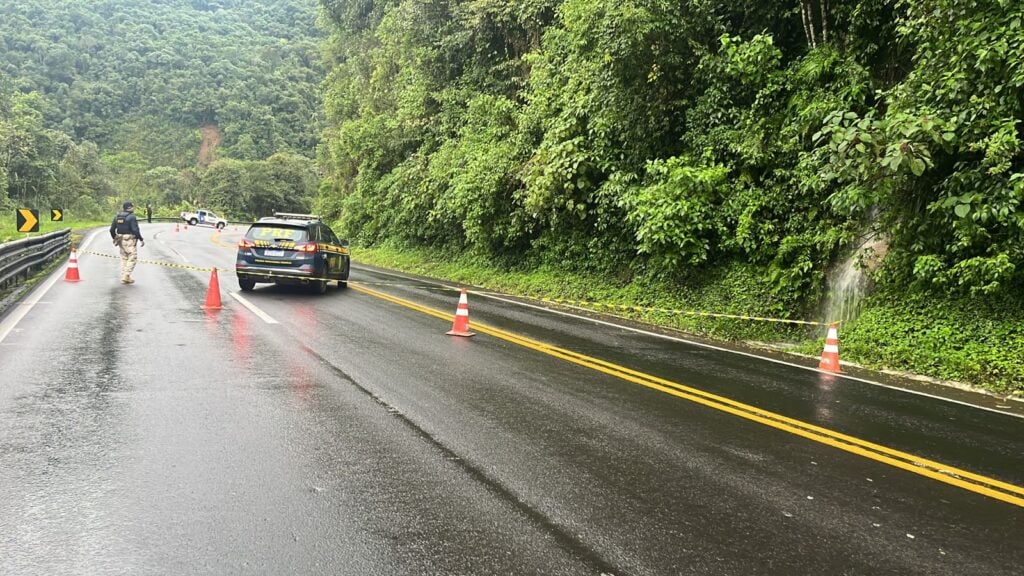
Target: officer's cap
128,206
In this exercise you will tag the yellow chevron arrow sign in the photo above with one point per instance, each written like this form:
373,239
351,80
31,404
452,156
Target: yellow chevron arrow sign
28,220
56,215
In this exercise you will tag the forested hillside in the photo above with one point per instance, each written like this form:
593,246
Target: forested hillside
133,82
754,145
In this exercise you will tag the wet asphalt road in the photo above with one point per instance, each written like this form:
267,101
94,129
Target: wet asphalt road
140,434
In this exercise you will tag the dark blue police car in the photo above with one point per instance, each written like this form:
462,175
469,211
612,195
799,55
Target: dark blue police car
291,248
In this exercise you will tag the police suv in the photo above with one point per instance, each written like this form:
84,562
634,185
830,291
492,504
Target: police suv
292,249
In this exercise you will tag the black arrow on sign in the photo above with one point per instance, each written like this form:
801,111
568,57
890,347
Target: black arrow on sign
28,220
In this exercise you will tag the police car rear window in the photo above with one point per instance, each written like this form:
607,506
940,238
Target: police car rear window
277,232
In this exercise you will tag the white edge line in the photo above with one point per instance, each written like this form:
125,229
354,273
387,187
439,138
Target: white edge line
252,308
179,254
88,241
159,238
24,308
8,325
710,346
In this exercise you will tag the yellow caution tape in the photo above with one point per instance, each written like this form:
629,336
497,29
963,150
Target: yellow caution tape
211,268
673,311
584,304
153,262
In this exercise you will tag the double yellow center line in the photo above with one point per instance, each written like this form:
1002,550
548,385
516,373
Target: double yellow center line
976,483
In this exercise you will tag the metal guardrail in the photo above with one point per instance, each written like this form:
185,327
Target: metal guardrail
21,258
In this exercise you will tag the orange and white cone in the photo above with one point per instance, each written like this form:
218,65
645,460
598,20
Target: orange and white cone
72,273
460,325
830,355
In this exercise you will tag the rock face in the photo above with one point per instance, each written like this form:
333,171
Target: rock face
872,252
850,281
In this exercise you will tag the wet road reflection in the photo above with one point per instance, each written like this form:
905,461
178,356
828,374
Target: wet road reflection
356,438
826,398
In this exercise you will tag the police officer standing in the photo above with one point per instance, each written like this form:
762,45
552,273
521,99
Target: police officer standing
125,233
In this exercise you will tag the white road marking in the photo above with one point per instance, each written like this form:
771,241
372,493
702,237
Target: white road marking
703,345
252,308
8,325
158,236
88,241
179,254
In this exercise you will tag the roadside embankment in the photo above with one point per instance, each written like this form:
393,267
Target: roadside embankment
974,342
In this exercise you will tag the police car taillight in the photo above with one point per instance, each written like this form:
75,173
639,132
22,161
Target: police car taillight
311,247
243,243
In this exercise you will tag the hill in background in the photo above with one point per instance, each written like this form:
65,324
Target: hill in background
175,103
144,76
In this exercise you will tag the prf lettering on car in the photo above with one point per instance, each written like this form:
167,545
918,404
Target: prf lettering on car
282,233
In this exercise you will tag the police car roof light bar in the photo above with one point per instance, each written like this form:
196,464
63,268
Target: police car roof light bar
294,216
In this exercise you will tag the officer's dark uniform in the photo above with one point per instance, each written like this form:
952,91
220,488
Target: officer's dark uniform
125,233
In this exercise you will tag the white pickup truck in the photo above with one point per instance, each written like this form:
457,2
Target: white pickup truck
204,218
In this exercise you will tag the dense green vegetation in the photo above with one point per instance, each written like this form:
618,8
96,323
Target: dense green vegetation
106,98
672,140
126,73
958,338
41,167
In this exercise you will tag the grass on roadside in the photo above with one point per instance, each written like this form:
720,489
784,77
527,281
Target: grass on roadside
653,301
9,229
962,339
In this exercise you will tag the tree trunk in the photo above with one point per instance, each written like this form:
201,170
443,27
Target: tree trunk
824,21
806,11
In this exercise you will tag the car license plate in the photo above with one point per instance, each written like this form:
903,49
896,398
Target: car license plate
274,253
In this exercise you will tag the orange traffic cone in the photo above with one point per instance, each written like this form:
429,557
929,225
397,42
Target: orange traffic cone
72,273
830,355
175,226
460,325
213,293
